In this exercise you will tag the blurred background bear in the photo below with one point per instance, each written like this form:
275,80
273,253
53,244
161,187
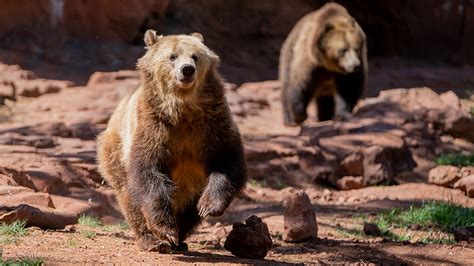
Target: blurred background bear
387,150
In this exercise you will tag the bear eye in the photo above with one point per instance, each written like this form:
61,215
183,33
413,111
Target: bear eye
173,57
194,57
342,51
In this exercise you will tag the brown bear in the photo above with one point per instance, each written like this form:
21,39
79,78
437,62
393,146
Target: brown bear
324,57
171,149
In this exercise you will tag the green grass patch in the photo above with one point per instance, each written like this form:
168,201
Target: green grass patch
71,242
89,234
17,228
436,220
471,110
22,262
90,221
9,233
279,185
122,226
350,233
438,240
456,159
444,216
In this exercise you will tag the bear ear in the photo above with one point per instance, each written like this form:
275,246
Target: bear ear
198,35
329,27
151,37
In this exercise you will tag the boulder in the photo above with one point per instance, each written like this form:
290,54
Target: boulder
12,176
444,175
47,179
352,165
33,198
109,20
466,184
299,218
43,217
250,240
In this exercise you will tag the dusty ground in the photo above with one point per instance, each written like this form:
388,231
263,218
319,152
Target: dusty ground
50,138
115,245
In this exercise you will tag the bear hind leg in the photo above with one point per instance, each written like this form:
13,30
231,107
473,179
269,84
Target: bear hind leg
186,220
325,107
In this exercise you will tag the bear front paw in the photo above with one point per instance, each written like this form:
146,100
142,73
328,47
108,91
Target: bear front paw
210,207
165,233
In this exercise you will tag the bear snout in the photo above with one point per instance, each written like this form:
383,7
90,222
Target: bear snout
350,62
188,72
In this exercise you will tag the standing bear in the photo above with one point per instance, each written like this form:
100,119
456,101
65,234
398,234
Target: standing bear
325,58
171,149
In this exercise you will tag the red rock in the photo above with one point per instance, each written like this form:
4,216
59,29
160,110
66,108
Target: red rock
467,171
110,20
38,87
109,77
25,14
47,179
43,217
35,141
32,198
73,205
350,182
250,240
10,176
6,190
7,92
352,165
466,184
299,218
444,175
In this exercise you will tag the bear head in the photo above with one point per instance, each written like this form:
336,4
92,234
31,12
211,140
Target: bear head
341,45
176,64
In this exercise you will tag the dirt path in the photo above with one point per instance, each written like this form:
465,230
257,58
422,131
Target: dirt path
112,244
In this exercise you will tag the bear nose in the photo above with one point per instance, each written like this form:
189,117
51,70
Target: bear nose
188,70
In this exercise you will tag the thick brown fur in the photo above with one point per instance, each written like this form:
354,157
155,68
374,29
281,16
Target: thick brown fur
323,58
171,150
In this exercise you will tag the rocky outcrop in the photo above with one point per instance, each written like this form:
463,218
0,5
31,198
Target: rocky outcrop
445,175
47,143
110,20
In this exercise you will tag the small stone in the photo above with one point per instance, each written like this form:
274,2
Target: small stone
251,240
299,218
70,228
463,233
372,229
415,227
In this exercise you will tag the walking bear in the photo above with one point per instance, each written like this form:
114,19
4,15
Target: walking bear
171,149
324,57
